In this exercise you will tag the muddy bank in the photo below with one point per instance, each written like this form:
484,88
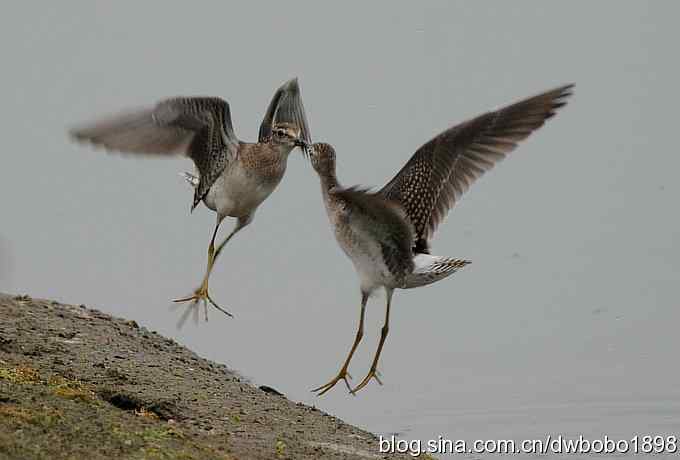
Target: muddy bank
77,383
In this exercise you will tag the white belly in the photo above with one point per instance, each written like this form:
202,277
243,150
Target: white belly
237,194
367,259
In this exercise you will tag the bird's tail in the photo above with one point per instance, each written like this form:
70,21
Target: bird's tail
429,269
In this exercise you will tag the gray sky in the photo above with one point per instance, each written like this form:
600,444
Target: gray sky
571,303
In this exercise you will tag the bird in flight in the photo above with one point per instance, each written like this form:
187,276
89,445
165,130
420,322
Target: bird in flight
234,177
387,233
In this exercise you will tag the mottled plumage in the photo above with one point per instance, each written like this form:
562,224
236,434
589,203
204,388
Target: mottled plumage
386,234
440,171
379,220
234,177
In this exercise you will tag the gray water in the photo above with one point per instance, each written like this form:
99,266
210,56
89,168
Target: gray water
565,323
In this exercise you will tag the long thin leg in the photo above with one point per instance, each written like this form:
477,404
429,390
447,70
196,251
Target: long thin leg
373,373
201,294
211,248
343,374
211,260
214,254
240,224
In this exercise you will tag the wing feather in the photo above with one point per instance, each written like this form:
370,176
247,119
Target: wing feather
286,106
444,168
198,127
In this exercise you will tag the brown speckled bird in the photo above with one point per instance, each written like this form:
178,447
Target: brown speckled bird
387,234
234,177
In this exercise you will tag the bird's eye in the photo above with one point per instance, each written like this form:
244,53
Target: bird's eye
280,132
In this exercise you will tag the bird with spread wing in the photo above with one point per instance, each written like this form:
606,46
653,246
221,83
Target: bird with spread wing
233,177
387,234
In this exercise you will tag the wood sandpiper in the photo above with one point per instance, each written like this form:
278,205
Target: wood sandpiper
387,234
234,177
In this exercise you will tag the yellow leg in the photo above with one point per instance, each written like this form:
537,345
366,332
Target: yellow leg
240,223
201,295
343,374
373,373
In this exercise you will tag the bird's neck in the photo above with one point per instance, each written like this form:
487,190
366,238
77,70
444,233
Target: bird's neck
328,181
280,150
283,150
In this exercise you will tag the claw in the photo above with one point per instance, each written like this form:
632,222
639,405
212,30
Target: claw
212,302
186,299
376,376
342,375
199,296
372,374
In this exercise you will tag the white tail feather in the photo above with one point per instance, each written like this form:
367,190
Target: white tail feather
429,269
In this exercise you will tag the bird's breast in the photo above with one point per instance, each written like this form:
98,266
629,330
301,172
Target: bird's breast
239,191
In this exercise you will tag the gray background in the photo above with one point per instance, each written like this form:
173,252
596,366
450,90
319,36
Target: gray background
564,323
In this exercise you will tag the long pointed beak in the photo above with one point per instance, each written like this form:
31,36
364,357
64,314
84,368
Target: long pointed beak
301,143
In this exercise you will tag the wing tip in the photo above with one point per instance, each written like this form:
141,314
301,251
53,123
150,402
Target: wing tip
546,104
80,137
559,98
77,133
561,93
292,85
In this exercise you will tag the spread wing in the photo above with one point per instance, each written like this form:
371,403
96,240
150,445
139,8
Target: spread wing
198,127
440,171
383,221
286,106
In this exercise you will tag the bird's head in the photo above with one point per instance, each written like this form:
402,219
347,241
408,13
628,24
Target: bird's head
288,134
322,156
